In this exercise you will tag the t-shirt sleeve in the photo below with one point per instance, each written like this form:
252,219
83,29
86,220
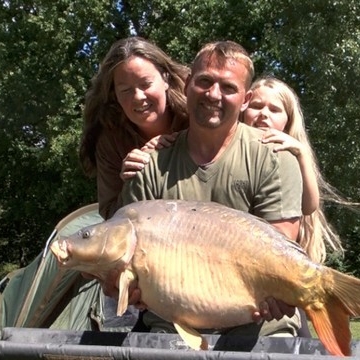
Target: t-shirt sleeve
279,192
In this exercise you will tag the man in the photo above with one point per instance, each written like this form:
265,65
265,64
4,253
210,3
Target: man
219,159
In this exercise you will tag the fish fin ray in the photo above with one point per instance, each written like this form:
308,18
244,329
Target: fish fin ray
124,282
131,242
331,323
191,337
347,289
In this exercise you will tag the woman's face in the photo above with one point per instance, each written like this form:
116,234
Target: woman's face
141,91
266,110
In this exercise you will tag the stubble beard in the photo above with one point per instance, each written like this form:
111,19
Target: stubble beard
208,121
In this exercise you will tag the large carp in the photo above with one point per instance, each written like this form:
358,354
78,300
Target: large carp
204,265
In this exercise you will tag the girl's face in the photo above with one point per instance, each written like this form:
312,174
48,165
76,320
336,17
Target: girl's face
141,92
266,110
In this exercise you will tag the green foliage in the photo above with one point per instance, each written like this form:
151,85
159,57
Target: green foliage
46,67
50,50
354,329
7,268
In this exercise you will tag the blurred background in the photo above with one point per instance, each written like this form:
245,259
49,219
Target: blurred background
49,51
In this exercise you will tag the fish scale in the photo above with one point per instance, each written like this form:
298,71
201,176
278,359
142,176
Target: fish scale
194,271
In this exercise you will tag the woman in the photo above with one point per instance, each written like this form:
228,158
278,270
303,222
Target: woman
137,94
275,107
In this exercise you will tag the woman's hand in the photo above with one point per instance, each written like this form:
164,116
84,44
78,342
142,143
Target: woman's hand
136,159
160,141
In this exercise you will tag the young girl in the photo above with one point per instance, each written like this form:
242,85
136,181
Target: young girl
275,107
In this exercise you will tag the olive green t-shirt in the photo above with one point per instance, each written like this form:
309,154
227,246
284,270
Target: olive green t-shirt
248,176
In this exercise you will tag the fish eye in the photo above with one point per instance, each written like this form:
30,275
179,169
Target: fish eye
86,234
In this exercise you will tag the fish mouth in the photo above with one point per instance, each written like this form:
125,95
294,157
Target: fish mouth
60,250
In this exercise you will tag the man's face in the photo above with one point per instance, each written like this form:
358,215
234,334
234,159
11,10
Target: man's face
216,93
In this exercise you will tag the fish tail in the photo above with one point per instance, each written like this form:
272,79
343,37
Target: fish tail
346,288
331,319
331,323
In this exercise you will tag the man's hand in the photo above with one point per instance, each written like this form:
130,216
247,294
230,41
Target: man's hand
272,309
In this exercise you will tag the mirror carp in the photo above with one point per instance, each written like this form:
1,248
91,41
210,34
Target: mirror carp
203,265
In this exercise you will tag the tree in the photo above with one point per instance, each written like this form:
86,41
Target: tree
50,51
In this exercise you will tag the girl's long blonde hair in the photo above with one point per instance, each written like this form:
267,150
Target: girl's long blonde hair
315,234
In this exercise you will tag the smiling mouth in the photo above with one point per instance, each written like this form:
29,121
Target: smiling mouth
212,107
213,110
142,108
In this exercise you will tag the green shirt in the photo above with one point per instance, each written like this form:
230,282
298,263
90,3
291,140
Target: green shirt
248,176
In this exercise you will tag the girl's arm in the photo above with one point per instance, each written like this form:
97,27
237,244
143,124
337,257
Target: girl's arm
311,196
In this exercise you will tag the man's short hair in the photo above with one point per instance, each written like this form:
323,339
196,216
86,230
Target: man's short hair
222,51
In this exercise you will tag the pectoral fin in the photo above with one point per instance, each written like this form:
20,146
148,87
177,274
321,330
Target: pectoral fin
191,337
131,241
124,282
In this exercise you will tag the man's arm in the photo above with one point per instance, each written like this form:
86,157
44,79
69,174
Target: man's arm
290,190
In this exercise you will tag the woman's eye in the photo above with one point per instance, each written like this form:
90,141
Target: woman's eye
275,110
124,90
145,85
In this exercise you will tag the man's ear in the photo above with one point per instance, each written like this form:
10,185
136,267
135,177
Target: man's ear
247,99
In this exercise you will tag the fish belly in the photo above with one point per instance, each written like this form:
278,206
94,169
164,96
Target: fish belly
197,270
182,287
